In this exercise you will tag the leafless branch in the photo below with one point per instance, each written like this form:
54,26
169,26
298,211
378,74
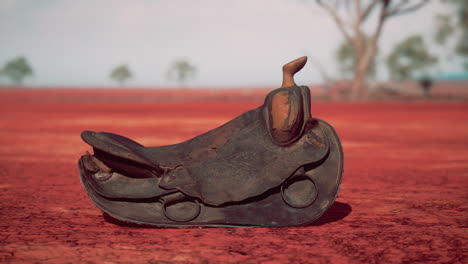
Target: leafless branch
372,42
348,7
405,7
368,10
334,13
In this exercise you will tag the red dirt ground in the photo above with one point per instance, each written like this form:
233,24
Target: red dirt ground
403,198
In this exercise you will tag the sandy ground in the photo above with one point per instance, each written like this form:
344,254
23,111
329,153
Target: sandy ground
403,198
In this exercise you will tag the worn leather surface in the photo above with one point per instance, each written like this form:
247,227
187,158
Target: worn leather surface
267,209
231,163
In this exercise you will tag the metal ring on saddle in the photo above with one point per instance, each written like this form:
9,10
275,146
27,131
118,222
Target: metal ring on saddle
299,191
181,205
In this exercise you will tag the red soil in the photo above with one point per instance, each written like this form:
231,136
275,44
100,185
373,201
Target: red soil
403,196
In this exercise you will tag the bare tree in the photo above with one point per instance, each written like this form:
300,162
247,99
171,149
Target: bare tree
350,16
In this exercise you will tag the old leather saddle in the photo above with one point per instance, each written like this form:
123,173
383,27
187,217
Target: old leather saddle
271,166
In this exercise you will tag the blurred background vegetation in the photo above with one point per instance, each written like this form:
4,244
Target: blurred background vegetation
412,65
409,59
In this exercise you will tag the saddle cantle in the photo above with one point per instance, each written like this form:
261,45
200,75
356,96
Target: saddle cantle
271,166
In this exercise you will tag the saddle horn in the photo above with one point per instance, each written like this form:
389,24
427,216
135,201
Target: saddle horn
291,68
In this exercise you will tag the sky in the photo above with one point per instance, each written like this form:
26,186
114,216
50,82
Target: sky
232,43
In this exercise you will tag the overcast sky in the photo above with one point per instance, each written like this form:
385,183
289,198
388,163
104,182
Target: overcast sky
232,43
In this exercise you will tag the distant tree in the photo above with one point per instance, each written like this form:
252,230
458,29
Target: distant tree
181,70
444,29
462,45
351,16
448,25
408,58
346,58
121,74
17,69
